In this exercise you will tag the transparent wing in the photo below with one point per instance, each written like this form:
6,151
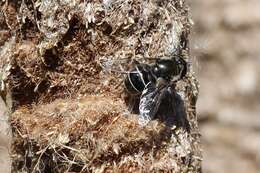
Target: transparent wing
108,64
149,103
120,65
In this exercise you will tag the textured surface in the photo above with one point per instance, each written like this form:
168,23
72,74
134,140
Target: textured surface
58,59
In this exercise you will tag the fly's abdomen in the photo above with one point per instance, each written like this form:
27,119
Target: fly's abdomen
137,79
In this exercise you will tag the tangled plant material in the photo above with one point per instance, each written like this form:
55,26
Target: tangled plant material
55,60
91,134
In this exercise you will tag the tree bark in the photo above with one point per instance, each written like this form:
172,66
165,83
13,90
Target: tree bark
59,61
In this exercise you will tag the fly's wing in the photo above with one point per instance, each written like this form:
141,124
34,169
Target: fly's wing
149,103
109,64
119,65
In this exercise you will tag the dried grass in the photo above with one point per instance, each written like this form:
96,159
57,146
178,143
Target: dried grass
59,44
90,135
55,52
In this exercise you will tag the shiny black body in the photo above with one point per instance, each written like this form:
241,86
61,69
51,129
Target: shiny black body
142,74
170,68
138,78
152,93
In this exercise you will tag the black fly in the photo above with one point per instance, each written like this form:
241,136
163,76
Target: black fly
150,84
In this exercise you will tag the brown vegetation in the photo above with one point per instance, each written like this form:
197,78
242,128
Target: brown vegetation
68,109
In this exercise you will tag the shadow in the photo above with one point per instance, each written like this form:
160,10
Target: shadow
171,110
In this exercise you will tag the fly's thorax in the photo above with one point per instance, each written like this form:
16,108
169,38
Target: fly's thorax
169,69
